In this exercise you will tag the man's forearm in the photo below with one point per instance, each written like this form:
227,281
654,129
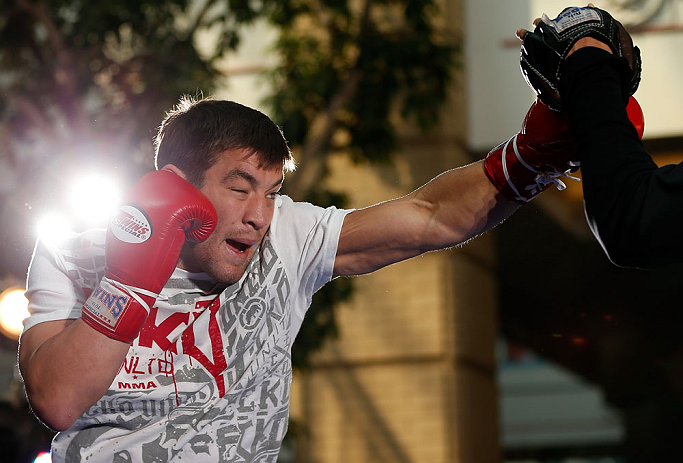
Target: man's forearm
66,370
465,204
450,209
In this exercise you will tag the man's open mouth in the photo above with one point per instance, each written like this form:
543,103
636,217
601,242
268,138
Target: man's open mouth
237,246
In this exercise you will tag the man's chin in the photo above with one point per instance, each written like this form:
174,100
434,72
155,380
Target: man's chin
226,276
205,258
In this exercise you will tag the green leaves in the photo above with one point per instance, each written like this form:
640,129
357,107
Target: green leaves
66,64
402,66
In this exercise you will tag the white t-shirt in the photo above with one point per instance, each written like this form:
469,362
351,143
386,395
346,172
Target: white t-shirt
208,377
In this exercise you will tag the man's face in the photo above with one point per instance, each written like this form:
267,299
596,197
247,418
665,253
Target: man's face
244,197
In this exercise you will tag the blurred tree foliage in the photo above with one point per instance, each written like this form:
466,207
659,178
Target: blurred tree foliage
88,82
82,80
348,72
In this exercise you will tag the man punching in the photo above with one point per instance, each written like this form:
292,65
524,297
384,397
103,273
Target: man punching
168,337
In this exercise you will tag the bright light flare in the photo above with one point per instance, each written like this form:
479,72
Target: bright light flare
93,198
43,457
13,311
53,228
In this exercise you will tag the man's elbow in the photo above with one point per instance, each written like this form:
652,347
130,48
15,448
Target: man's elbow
620,247
638,254
54,413
619,258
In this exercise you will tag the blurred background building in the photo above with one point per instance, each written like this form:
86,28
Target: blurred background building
523,345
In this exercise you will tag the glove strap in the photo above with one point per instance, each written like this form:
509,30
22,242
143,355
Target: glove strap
133,292
517,179
117,310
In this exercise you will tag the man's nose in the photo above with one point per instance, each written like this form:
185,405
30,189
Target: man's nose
258,213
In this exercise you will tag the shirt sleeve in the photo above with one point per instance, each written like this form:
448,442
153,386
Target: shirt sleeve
307,236
61,277
633,207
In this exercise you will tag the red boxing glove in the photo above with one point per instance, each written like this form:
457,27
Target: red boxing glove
143,245
635,115
536,157
541,152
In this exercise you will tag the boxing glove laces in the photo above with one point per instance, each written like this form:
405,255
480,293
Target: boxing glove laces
541,153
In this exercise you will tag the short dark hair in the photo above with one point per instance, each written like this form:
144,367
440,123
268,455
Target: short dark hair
196,131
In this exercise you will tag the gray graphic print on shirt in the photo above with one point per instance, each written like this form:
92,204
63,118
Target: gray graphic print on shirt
207,379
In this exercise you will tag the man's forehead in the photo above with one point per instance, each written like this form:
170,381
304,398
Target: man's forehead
240,166
254,157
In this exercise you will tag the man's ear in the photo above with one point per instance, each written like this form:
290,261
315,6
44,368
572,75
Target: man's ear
175,170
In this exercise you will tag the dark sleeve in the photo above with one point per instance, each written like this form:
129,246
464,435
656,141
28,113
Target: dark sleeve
634,208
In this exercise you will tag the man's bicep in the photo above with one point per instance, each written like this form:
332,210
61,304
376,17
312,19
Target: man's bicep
380,235
36,336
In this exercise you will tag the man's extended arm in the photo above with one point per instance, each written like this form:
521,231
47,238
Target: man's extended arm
450,209
460,203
